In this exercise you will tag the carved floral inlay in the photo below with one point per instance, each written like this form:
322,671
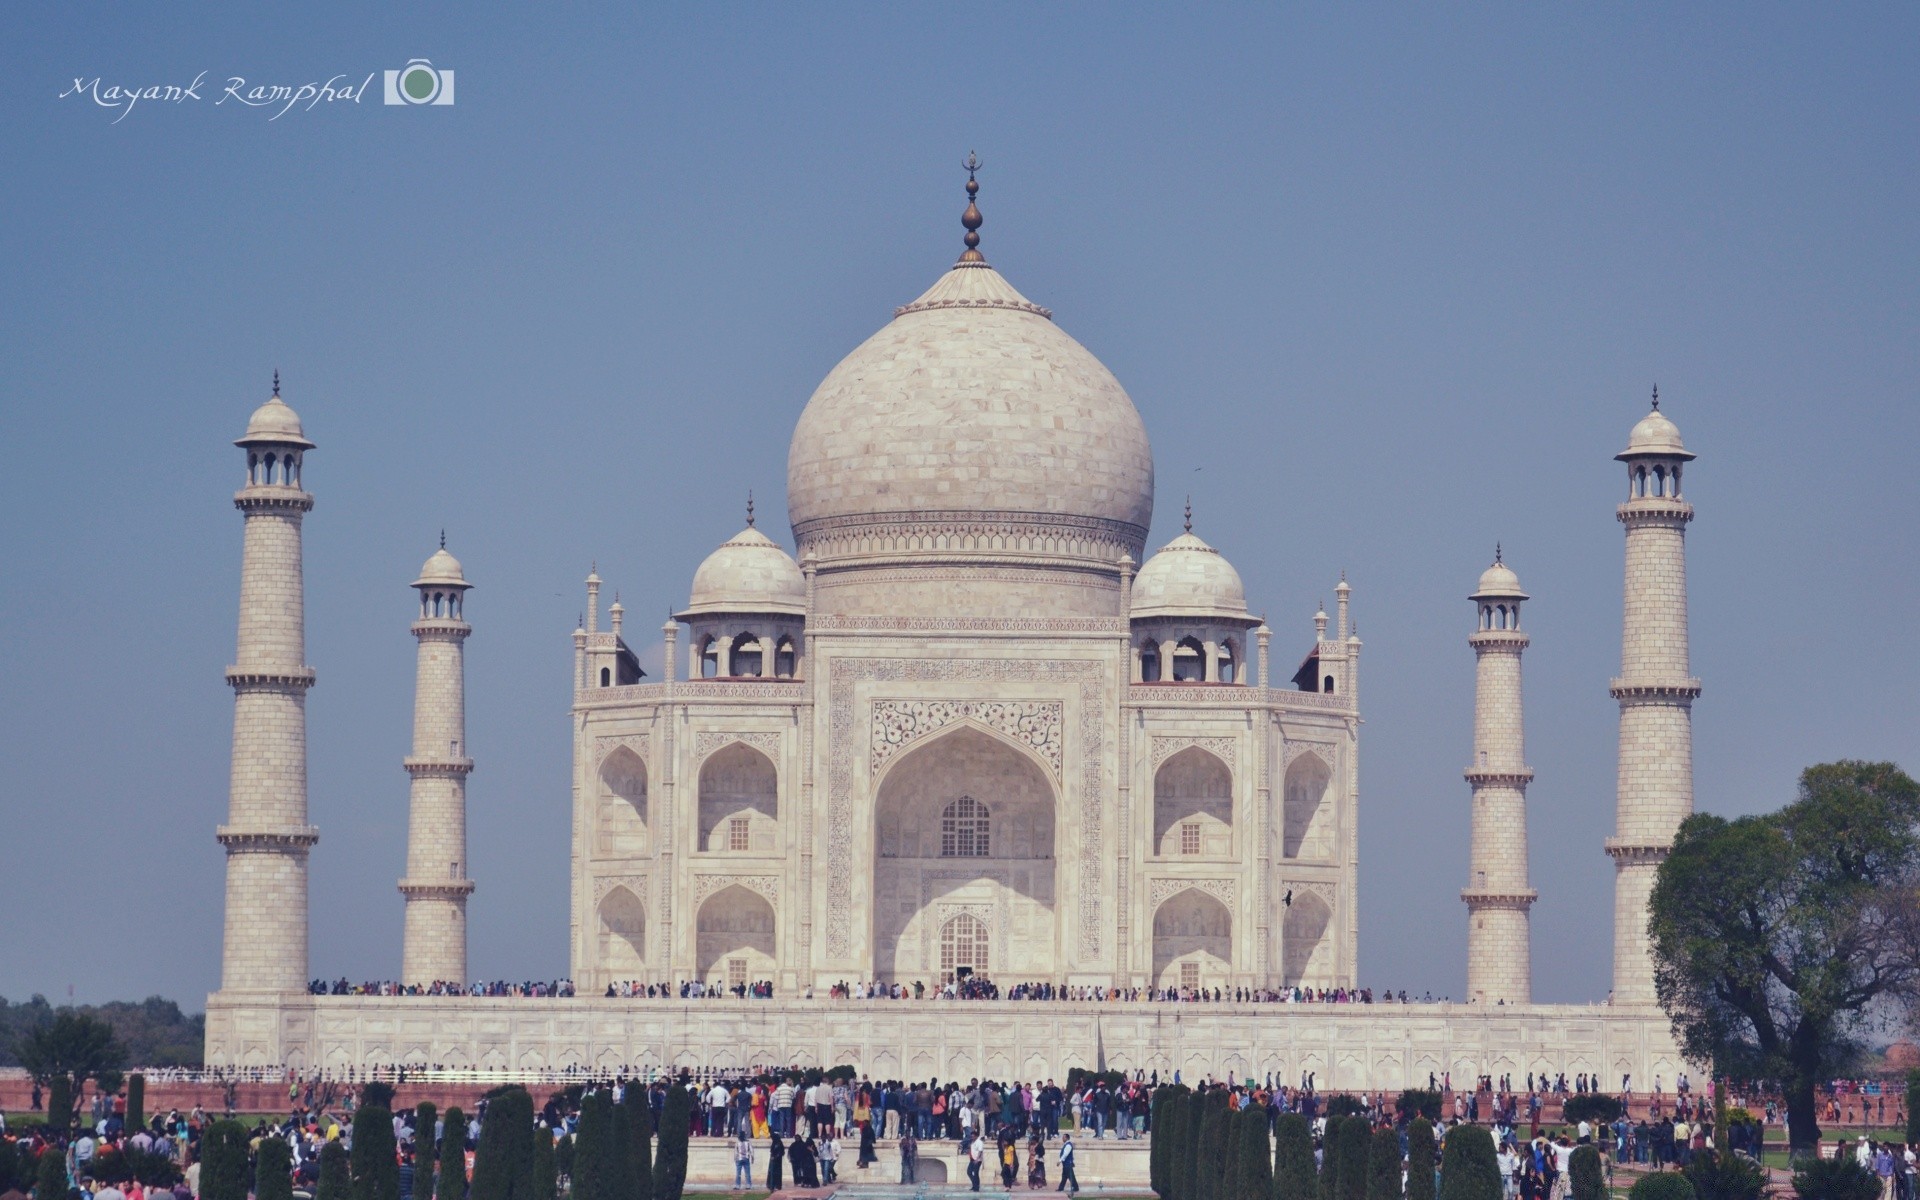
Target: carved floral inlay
1159,890
765,885
708,740
1166,747
1034,724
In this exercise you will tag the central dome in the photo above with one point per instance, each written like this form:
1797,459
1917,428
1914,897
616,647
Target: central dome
971,427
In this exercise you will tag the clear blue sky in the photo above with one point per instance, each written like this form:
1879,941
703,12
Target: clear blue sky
1388,283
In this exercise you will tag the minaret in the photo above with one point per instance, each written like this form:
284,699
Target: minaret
1655,691
436,886
1499,946
266,835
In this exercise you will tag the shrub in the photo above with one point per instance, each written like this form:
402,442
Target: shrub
640,1143
1157,1152
1255,1179
273,1170
450,1177
1834,1179
425,1151
11,1176
546,1180
1723,1176
1597,1107
1420,1160
503,1162
377,1093
1343,1105
50,1179
1418,1102
136,1101
670,1161
336,1181
1913,1107
376,1176
120,1164
1293,1159
1469,1168
1662,1185
223,1161
1356,1142
60,1103
1383,1166
1585,1180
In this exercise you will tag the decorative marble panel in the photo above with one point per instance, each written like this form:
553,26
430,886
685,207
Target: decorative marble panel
1158,890
708,740
706,885
1166,747
899,723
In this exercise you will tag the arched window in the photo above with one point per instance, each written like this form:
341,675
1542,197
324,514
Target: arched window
1226,663
1659,481
745,655
963,829
709,657
963,943
783,659
606,677
1189,661
1149,661
1326,685
269,476
253,467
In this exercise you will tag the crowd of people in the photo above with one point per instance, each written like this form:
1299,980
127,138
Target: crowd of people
388,987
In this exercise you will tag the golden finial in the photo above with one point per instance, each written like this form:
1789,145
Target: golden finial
972,218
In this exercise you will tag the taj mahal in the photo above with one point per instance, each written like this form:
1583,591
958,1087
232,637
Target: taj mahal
977,723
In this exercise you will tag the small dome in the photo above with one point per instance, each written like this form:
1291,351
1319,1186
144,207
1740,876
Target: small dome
1654,435
442,570
749,573
1498,582
276,423
1189,578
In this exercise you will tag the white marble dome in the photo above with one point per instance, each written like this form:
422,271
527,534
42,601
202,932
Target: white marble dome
1655,435
1498,582
1189,578
274,422
749,573
441,569
971,405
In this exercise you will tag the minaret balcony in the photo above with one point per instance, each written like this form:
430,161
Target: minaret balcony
1654,510
1654,689
270,680
438,768
1518,777
1637,851
436,889
272,498
1514,898
284,837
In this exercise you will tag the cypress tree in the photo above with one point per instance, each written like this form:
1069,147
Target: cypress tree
1232,1170
670,1164
1585,1181
450,1178
136,1102
1469,1169
621,1177
1172,1130
592,1147
1157,1152
12,1175
546,1180
1214,1143
640,1135
425,1117
503,1163
1420,1150
1913,1107
50,1180
1189,1184
336,1179
1256,1155
1293,1159
376,1173
273,1170
1383,1166
60,1104
1356,1142
1329,1183
223,1161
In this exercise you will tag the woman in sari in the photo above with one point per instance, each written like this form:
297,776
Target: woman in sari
759,1110
1036,1163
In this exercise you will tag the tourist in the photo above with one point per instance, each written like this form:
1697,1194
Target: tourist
1066,1166
867,1155
909,1156
975,1153
1036,1162
829,1156
742,1161
776,1156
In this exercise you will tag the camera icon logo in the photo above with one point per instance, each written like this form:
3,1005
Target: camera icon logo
419,82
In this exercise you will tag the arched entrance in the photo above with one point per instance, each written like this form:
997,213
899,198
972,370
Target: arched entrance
623,936
1306,952
735,938
1192,941
739,801
1193,806
620,819
1307,823
964,870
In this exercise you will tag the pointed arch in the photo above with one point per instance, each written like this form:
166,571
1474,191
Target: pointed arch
1194,786
1306,828
623,934
1189,661
1306,950
739,783
620,812
1150,661
735,937
1192,941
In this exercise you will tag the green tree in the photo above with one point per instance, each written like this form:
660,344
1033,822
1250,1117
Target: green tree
1420,1159
1829,1179
450,1177
136,1101
11,1175
425,1151
593,1148
503,1162
1157,1151
1591,1106
63,1053
1356,1142
1717,1176
622,1172
336,1175
1661,1185
1256,1156
640,1145
1187,1184
1327,1187
1584,1178
1383,1166
223,1162
670,1163
546,1179
1469,1168
1211,1165
50,1179
273,1170
1913,1108
1777,938
375,1172
1293,1158
1419,1102
1173,1131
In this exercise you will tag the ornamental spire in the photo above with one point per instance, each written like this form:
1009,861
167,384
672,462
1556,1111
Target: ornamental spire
1656,397
749,508
972,218
1189,514
276,384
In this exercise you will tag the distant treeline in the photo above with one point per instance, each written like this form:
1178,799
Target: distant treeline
154,1031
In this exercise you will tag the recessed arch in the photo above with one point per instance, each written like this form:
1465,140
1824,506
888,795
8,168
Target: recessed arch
734,932
1192,941
623,934
1193,787
1189,661
1306,952
620,816
1306,818
739,783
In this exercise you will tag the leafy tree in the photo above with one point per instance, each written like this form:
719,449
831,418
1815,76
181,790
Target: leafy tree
546,1179
118,1164
1383,1166
1173,1130
136,1101
670,1164
336,1176
1419,1102
1777,938
1834,1179
50,1179
1211,1167
592,1150
1717,1176
154,1031
1356,1143
66,1051
273,1170
425,1151
1255,1181
1293,1159
1661,1185
11,1176
1328,1186
378,1093
1420,1159
224,1174
1585,1179
1187,1185
1469,1168
1157,1152
1913,1108
375,1173
1343,1105
503,1162
450,1178
622,1176
1597,1107
640,1135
